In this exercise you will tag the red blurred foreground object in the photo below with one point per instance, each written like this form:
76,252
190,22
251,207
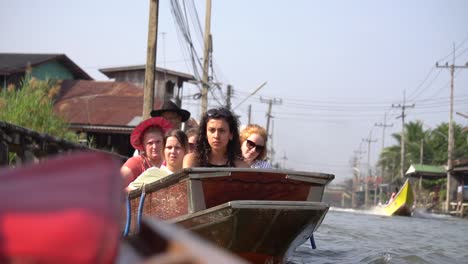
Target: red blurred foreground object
64,210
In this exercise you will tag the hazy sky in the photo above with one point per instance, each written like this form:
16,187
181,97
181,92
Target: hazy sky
337,65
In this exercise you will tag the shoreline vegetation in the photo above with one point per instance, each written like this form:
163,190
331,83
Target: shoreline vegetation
31,106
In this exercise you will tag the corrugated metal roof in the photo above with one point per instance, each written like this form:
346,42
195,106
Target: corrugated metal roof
16,63
108,71
426,171
460,165
93,103
112,129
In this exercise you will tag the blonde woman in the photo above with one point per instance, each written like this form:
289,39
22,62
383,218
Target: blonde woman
253,139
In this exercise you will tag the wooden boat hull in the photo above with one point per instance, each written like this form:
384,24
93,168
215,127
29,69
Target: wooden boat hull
402,204
258,231
259,214
196,189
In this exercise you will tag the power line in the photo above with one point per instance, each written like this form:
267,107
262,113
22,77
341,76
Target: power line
455,49
414,95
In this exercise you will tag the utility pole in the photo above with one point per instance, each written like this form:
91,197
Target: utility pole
357,177
249,114
150,70
403,115
272,148
270,103
450,135
369,140
228,96
163,34
206,58
384,125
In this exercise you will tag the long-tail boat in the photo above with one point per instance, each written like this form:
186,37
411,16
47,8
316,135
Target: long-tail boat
261,215
402,204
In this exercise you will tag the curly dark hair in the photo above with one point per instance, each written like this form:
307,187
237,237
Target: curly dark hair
203,148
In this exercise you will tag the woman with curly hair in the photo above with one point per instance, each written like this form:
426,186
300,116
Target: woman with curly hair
253,139
218,141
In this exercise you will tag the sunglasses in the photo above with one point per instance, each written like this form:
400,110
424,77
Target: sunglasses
192,146
251,145
219,112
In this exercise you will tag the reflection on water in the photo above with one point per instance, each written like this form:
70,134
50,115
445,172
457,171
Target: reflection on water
352,236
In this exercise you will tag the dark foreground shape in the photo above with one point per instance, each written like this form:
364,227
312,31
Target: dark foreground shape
68,210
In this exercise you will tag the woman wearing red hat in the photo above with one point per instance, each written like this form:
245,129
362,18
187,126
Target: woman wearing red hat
147,137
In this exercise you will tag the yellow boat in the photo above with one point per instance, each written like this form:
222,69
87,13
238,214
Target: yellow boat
402,203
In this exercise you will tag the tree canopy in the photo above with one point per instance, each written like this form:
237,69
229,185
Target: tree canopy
434,145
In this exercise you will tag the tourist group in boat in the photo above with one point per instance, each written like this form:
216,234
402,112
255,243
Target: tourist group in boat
162,148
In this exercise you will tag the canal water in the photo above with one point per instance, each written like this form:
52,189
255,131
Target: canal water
349,236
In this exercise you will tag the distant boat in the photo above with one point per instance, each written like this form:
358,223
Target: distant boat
402,203
261,215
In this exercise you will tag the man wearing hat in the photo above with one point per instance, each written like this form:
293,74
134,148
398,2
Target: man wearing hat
172,113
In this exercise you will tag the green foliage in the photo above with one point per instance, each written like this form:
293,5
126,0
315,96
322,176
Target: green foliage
434,144
431,184
31,106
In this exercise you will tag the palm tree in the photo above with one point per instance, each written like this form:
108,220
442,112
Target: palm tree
434,144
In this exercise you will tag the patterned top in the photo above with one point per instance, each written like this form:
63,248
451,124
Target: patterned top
261,164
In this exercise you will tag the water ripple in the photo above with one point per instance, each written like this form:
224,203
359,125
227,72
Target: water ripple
360,237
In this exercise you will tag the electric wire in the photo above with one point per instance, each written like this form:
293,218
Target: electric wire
456,48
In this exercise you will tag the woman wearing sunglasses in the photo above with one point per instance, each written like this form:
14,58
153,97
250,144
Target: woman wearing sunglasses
253,140
218,141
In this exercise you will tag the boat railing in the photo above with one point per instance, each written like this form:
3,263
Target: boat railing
29,145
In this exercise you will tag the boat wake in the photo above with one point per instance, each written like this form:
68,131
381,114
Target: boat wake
418,212
422,213
371,211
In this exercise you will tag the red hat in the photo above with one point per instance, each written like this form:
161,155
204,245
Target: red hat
136,137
